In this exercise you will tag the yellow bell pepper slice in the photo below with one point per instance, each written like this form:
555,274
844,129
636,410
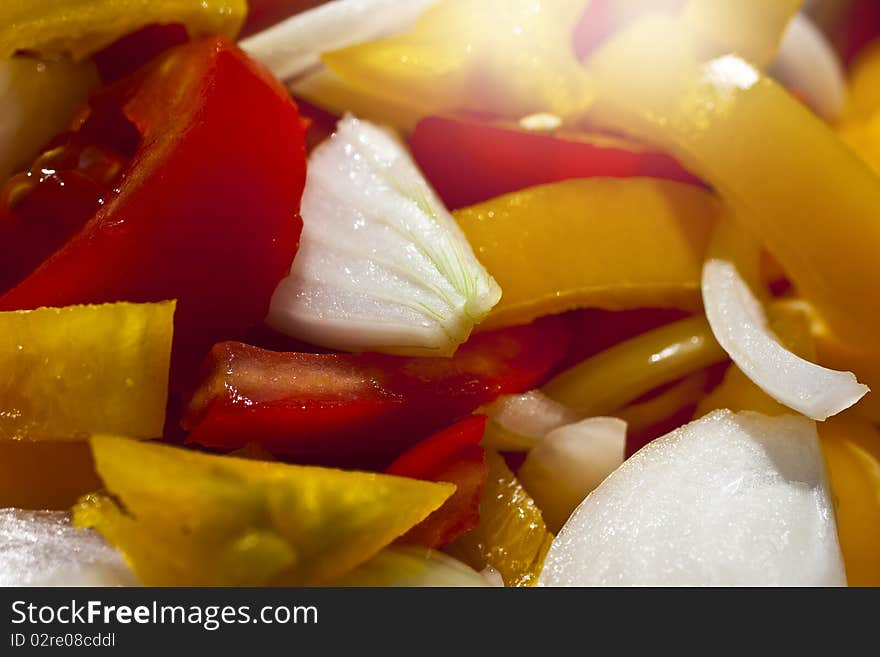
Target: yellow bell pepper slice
70,372
45,474
511,58
184,518
38,99
511,536
797,188
600,243
613,378
78,28
851,447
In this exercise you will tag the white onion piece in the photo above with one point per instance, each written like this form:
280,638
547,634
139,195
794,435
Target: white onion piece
570,462
740,326
727,500
413,567
42,548
807,63
517,422
382,265
293,46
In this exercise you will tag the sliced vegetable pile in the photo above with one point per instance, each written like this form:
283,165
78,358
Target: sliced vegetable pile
439,293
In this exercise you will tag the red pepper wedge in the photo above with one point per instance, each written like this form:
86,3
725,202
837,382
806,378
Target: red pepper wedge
452,455
207,210
469,162
361,410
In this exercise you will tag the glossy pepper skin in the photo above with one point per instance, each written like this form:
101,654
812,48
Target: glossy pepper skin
453,455
207,210
470,162
737,129
361,410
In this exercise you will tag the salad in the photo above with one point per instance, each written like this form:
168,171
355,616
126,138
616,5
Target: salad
439,292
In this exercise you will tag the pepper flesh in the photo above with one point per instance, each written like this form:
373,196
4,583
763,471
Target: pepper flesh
183,518
453,455
57,28
45,474
206,213
737,130
599,243
362,410
70,372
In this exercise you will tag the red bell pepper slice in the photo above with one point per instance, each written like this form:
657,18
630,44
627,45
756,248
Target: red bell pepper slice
361,410
136,49
453,455
469,162
207,210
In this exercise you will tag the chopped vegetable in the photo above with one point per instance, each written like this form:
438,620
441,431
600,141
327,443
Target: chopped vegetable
217,238
56,28
491,159
226,521
382,266
569,462
506,57
362,409
413,567
453,455
518,422
511,537
736,129
70,372
726,500
38,99
740,326
41,548
599,243
45,474
611,379
293,46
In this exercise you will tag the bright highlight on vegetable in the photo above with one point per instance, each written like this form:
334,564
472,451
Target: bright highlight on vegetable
382,266
728,500
740,326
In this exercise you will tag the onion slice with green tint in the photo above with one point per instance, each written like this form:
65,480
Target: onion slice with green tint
382,265
740,326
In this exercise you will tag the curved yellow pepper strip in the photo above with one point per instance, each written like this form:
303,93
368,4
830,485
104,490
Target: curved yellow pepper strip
191,519
78,28
611,379
511,58
74,371
802,192
600,243
681,395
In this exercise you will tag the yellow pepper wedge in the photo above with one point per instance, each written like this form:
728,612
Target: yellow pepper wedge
511,58
74,371
78,28
600,243
613,378
797,188
851,447
184,518
45,474
38,99
511,537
